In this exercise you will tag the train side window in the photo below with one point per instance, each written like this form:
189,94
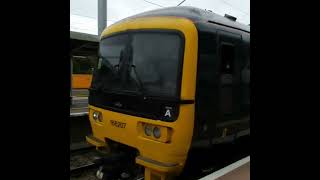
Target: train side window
226,77
245,74
227,58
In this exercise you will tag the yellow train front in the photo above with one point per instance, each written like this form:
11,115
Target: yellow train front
167,81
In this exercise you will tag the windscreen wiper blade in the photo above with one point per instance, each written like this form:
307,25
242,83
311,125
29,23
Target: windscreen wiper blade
141,87
106,63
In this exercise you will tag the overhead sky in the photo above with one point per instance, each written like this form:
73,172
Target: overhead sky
83,13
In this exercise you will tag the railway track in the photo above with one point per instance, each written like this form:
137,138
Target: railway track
82,162
82,155
82,166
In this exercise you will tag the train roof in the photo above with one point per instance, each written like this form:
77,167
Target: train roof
194,14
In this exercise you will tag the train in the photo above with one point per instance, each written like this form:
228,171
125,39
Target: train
168,81
81,73
82,68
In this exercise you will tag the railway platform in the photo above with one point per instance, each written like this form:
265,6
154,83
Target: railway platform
80,92
79,106
239,170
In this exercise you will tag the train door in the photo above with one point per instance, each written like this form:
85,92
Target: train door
229,92
206,90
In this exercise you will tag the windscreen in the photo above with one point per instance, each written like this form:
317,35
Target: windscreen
140,62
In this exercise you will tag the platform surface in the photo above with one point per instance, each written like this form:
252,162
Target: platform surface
80,92
79,105
239,170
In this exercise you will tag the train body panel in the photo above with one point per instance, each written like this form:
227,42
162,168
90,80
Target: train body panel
81,81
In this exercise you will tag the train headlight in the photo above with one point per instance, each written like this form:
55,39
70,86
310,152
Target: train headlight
148,130
97,116
156,132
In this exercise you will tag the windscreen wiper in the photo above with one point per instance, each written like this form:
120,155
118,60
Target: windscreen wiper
106,63
141,87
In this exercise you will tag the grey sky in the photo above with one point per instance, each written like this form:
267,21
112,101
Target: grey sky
83,13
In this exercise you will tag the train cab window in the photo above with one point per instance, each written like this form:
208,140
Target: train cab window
157,64
134,63
112,55
81,65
